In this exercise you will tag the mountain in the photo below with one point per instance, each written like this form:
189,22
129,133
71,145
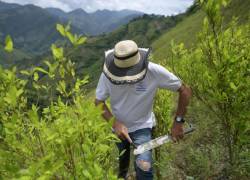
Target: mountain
33,28
6,6
57,12
101,21
114,19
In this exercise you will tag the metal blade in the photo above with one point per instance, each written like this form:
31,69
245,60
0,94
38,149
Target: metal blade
152,144
158,142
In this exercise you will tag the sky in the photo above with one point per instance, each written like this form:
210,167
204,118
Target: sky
164,7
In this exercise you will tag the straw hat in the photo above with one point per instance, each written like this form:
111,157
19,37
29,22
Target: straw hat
126,63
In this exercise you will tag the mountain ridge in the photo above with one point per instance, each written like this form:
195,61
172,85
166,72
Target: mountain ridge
33,28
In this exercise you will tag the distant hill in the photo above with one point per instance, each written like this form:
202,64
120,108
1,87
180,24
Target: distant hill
6,6
101,21
33,28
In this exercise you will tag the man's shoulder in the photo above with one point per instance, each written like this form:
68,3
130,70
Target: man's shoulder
153,67
103,78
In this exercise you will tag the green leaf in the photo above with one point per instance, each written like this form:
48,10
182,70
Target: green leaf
70,37
48,64
24,72
86,174
57,52
36,76
233,86
61,29
40,70
11,96
85,80
62,71
19,92
8,44
81,40
52,68
224,3
61,87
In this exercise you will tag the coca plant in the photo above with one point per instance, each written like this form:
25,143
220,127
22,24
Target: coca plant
67,138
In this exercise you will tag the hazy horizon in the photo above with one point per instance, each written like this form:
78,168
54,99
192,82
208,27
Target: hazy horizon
161,7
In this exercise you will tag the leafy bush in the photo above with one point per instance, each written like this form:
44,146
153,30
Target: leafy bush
217,68
218,71
66,139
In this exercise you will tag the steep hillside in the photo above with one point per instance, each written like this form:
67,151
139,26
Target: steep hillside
187,30
17,57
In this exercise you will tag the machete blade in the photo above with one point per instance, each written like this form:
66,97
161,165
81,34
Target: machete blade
158,142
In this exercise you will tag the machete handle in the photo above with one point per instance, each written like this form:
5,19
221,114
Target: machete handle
189,129
133,145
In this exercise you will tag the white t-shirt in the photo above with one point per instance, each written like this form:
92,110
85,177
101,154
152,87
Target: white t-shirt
133,104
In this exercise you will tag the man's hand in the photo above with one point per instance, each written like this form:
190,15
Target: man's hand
119,128
177,131
121,131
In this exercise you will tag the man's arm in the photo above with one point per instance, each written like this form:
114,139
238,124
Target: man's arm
107,115
185,94
119,128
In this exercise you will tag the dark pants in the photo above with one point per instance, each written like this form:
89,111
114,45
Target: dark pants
143,162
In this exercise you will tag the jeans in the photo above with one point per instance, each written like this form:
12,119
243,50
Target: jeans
143,162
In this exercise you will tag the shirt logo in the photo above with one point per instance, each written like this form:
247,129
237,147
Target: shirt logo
140,87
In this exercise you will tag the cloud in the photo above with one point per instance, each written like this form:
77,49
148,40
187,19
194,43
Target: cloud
166,7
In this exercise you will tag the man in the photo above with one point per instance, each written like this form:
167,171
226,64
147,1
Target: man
131,83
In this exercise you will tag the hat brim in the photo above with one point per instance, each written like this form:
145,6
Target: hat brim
128,75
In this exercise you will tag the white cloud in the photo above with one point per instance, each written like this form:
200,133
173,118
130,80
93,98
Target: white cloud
166,7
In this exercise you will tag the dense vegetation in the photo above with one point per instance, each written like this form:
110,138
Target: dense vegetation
50,129
67,139
217,69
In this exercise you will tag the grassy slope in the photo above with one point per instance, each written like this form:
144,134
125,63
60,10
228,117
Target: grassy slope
186,31
183,32
238,8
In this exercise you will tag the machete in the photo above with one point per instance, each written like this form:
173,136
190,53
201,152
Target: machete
158,142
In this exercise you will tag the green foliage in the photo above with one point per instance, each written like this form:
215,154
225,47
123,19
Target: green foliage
8,44
218,71
66,138
216,67
162,110
65,32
